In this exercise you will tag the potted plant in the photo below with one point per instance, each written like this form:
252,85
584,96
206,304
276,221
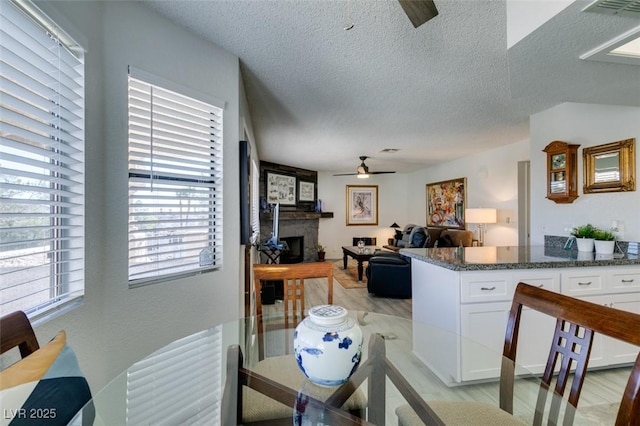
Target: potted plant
584,237
321,253
604,241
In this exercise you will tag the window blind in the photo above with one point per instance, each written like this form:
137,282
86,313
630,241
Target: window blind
41,162
178,385
255,203
175,183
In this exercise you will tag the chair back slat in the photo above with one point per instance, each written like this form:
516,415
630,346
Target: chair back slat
576,323
16,330
293,276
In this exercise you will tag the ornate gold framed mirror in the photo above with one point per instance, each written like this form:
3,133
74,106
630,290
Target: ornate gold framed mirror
610,167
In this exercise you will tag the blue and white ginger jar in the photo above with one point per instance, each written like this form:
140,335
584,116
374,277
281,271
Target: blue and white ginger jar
328,345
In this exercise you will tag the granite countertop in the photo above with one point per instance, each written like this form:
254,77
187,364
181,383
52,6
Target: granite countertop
496,258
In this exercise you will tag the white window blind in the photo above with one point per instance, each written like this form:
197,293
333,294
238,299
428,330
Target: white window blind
178,385
41,162
255,203
175,183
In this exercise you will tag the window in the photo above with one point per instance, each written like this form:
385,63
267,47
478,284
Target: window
175,182
41,163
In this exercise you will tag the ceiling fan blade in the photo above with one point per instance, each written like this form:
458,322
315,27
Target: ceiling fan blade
379,173
345,174
419,11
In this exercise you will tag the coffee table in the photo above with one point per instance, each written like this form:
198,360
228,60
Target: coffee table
359,254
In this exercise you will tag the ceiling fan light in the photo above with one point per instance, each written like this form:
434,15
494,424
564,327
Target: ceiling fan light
363,175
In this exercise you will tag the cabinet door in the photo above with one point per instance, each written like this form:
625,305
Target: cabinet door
534,340
601,349
621,352
484,323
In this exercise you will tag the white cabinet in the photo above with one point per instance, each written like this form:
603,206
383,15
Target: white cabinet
476,304
485,304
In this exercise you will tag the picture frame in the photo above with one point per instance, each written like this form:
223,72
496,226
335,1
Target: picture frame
362,205
306,191
280,188
446,202
245,192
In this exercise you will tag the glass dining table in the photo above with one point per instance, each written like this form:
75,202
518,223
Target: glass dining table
188,380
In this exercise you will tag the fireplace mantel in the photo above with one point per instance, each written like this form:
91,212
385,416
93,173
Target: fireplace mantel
293,215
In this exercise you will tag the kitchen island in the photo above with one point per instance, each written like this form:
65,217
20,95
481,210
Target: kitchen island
468,291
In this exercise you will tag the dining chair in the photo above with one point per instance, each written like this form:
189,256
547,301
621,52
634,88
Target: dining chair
292,276
576,323
283,368
16,331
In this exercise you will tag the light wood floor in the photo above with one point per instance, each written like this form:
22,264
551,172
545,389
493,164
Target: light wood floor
355,299
602,390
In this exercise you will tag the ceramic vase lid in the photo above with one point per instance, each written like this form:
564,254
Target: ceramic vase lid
327,314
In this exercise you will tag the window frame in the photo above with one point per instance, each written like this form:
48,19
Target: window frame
153,177
43,143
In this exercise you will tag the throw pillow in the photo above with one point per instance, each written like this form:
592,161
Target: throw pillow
418,239
45,388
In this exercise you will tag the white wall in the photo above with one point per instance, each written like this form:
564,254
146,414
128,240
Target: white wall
525,16
392,207
116,325
492,181
587,125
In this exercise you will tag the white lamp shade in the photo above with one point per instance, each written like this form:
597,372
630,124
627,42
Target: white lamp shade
480,215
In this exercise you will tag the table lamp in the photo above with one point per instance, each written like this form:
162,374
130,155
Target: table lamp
481,217
396,228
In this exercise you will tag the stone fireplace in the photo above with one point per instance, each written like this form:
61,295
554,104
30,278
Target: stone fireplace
307,228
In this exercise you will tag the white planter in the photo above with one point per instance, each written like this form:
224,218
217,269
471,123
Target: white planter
328,345
585,255
604,247
585,244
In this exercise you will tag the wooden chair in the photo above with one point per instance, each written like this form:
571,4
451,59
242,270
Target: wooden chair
283,368
16,330
293,276
577,321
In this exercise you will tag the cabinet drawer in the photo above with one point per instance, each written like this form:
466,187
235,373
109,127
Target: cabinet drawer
582,284
548,280
621,282
490,288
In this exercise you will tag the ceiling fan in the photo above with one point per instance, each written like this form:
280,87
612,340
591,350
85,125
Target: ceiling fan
419,11
362,171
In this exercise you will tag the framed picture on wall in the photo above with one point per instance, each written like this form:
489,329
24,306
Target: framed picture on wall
446,201
362,205
280,189
306,191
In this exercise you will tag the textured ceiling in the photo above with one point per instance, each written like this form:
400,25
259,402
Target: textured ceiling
321,96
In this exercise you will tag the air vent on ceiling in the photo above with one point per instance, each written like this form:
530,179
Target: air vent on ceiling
630,8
